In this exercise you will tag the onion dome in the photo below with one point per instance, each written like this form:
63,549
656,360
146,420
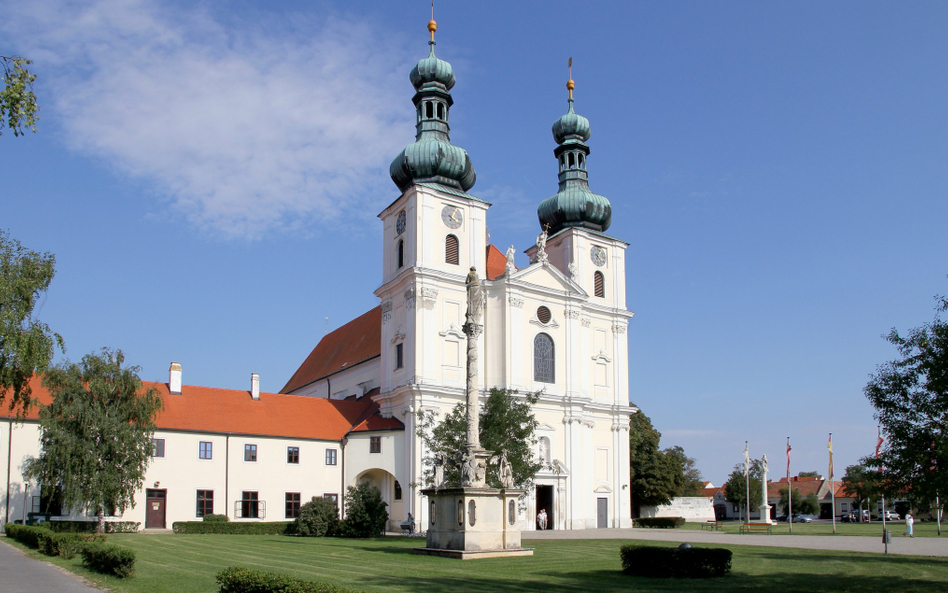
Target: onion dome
574,205
432,158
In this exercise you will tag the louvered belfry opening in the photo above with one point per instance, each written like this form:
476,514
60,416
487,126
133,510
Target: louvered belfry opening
599,285
451,250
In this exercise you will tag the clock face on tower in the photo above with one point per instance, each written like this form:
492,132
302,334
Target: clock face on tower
598,255
452,216
400,223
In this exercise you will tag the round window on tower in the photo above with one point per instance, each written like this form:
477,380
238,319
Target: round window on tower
544,315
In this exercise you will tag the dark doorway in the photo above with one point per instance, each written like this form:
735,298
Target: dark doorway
545,502
155,508
602,513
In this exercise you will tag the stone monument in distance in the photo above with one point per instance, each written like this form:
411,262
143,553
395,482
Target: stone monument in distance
471,520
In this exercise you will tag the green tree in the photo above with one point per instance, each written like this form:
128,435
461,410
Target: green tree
861,483
910,396
365,512
17,102
656,477
735,489
788,496
810,505
813,474
507,423
26,344
692,482
317,518
96,436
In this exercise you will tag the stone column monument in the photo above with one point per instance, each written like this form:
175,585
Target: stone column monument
471,520
764,507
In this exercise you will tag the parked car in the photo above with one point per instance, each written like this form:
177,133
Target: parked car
891,516
803,518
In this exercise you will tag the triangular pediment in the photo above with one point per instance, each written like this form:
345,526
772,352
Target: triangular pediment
546,275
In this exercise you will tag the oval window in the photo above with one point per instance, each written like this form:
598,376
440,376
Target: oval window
471,509
544,315
511,512
460,512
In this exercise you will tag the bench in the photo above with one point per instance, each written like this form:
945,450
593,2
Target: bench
712,526
756,527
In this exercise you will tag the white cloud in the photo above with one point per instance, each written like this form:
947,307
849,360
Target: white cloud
245,125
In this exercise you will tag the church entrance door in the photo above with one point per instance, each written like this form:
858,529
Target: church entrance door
545,501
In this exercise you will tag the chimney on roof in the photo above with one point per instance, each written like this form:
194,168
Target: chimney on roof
174,378
254,385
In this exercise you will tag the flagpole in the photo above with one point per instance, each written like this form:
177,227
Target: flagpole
747,506
789,489
882,494
832,485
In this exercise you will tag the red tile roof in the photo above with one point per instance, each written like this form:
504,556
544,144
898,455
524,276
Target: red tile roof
353,343
496,263
231,411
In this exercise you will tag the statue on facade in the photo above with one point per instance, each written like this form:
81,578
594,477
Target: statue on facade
510,268
541,246
573,270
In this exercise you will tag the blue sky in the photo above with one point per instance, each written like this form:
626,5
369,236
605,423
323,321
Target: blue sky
209,174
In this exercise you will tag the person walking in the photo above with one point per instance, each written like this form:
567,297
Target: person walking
411,525
909,524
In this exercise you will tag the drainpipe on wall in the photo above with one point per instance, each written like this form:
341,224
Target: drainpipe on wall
9,462
227,475
342,477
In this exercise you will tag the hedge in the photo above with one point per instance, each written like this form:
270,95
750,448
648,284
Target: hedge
694,563
28,535
272,528
237,579
212,518
109,559
67,545
90,526
663,522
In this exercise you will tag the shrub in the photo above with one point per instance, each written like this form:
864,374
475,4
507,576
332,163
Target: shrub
272,528
27,535
212,518
109,559
694,563
66,545
662,522
365,512
89,526
318,518
244,580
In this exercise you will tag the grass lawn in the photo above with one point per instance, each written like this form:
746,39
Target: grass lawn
188,563
874,529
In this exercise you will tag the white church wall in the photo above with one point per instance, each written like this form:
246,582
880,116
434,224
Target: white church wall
691,508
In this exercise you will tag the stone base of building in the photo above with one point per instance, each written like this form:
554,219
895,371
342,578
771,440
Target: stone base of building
470,523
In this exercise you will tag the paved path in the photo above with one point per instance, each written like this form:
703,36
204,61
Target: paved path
920,546
22,574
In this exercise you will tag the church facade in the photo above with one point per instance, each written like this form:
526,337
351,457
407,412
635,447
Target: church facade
349,413
557,326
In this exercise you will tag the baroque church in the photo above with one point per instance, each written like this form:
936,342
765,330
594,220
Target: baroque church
348,414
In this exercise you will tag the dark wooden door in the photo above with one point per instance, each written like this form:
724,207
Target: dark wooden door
155,508
602,513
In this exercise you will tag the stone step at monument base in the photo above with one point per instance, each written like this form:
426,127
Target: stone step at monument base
475,554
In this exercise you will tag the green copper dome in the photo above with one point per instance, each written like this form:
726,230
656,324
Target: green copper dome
571,127
574,205
431,157
432,70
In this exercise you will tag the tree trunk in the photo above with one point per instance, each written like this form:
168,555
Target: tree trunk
100,525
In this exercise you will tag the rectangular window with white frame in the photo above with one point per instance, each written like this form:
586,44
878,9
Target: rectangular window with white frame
157,447
293,455
205,503
205,450
331,456
375,444
292,505
250,452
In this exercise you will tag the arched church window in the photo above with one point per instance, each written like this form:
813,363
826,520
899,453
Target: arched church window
582,162
451,250
440,110
398,490
599,285
401,253
544,369
572,163
429,111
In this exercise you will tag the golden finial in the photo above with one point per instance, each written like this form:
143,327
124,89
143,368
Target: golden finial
432,25
569,83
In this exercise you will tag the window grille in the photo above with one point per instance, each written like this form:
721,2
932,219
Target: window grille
599,285
543,362
544,315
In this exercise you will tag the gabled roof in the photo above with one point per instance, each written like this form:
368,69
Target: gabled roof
353,343
232,411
